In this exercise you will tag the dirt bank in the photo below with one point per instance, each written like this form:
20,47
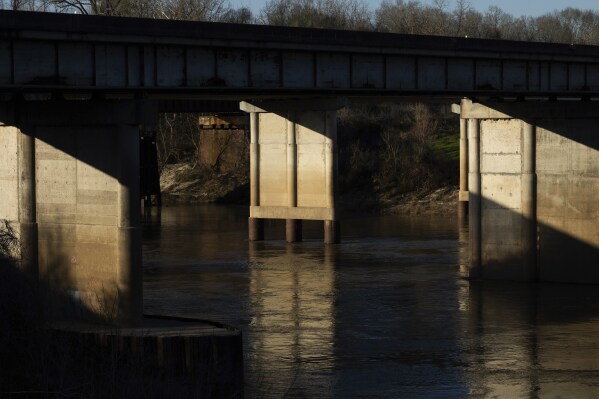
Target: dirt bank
182,184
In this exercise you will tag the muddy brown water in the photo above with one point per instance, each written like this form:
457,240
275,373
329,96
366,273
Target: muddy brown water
385,314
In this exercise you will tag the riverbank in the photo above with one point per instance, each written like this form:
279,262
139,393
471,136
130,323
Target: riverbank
181,183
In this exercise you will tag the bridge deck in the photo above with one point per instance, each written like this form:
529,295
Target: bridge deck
44,52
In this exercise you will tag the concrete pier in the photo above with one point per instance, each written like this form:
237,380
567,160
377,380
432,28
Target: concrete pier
331,232
129,269
463,194
293,165
529,203
70,186
293,230
255,225
199,358
474,197
293,227
28,228
533,183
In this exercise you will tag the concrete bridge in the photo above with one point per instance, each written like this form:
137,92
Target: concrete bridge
75,90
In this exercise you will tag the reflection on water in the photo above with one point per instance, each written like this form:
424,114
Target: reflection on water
384,314
292,316
534,341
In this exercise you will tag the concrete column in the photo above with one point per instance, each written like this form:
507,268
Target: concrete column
331,232
255,226
463,194
529,201
129,272
28,237
293,227
474,206
299,155
331,227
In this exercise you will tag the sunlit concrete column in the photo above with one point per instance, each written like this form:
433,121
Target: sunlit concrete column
474,207
28,237
331,227
129,273
295,165
78,177
539,175
529,202
18,186
463,194
293,227
255,225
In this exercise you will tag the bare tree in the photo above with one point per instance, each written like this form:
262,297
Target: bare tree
399,17
25,5
335,14
196,10
241,15
460,16
413,18
9,242
96,7
168,141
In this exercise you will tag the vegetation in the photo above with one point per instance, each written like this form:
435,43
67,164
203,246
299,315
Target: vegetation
333,14
569,25
389,150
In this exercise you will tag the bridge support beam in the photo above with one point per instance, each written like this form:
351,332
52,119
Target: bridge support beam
293,165
533,184
463,194
70,183
474,196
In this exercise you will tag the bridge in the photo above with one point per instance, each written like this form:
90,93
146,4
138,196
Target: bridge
75,91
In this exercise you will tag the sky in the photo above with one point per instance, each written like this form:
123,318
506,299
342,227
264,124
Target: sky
515,7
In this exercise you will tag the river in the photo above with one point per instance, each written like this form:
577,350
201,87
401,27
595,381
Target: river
384,314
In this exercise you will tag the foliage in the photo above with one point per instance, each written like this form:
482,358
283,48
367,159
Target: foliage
339,14
447,147
177,138
9,244
566,26
194,10
390,149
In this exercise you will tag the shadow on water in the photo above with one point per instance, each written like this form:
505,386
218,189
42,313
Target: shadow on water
384,314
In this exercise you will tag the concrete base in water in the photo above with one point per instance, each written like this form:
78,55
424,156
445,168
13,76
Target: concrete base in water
331,232
205,357
256,229
293,230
